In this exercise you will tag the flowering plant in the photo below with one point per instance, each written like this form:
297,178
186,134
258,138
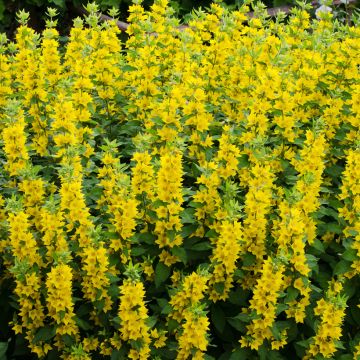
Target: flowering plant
191,193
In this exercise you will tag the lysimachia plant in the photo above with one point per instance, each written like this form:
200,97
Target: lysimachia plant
191,193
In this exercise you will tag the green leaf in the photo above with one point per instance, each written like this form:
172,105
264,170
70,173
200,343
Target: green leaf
346,357
151,321
277,3
218,318
172,325
350,255
240,354
355,314
237,324
3,349
208,357
68,340
243,161
276,332
339,344
84,309
187,230
146,238
303,343
342,267
239,296
249,259
242,317
312,262
118,354
128,68
280,308
165,306
162,272
219,287
202,246
21,349
59,3
82,324
318,245
292,294
137,251
44,334
333,228
180,252
211,233
187,216
2,9
274,355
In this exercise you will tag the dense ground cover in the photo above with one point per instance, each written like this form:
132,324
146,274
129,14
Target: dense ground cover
192,193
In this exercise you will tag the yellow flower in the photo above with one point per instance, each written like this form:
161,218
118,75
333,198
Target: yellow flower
59,299
133,315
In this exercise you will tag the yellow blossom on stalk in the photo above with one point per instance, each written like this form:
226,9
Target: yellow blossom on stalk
49,68
50,64
207,195
170,178
14,138
133,316
263,304
356,352
350,194
193,339
191,291
224,259
94,259
169,191
296,228
257,206
90,344
31,310
331,310
23,244
64,127
105,348
227,156
310,169
289,232
34,196
52,227
73,205
159,338
4,243
5,79
95,282
148,269
59,299
167,258
30,79
297,307
122,205
142,180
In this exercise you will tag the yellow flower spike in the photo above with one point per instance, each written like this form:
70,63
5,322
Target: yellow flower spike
331,311
191,291
263,304
59,299
133,315
193,339
224,258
